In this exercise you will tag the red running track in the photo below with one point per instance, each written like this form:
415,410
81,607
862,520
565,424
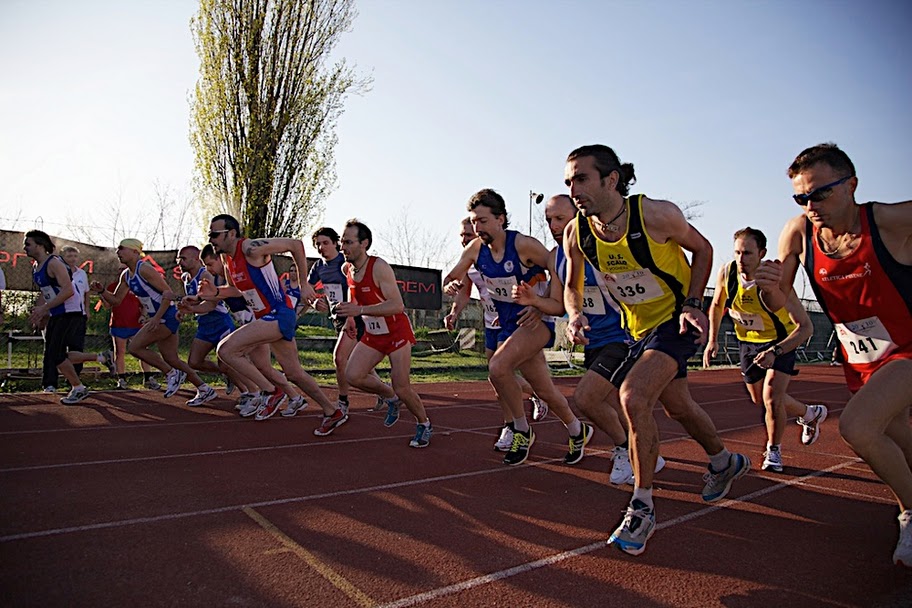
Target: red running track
126,500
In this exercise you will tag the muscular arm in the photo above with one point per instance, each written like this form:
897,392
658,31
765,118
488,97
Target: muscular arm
57,270
460,300
776,277
716,312
894,222
578,324
553,303
458,273
385,279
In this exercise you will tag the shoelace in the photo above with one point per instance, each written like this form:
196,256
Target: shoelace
519,441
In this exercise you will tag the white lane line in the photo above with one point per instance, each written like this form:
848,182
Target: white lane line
553,559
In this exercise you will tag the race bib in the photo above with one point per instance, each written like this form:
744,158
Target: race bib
747,320
48,293
865,341
333,292
593,302
490,314
147,304
254,301
501,288
634,286
375,326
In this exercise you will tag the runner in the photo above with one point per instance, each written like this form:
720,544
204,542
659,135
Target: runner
125,322
492,328
61,315
506,259
326,276
858,259
160,329
251,274
768,340
606,344
374,295
212,318
636,244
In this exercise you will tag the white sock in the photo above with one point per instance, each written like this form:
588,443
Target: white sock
575,428
644,495
521,425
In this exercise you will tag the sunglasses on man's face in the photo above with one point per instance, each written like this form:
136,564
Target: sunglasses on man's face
819,194
214,233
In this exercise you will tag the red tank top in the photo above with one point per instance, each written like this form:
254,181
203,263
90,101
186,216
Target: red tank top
128,314
867,295
365,292
261,287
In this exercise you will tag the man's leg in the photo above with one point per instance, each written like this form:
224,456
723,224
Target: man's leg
234,348
359,371
286,354
400,372
598,400
199,349
502,367
144,338
167,346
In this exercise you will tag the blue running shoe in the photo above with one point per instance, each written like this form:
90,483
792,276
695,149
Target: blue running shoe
392,411
635,529
422,436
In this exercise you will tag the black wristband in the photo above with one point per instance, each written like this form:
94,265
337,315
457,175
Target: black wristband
777,350
693,303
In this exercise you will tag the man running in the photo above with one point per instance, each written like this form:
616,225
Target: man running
60,315
375,297
125,322
251,274
160,329
768,340
492,329
637,244
858,259
506,259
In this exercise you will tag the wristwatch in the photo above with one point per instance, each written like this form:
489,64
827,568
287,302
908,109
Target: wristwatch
693,303
777,351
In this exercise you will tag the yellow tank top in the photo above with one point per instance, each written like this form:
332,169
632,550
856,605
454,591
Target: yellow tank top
754,322
648,280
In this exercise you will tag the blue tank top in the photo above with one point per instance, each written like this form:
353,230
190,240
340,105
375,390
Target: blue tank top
213,318
604,318
50,288
500,277
149,297
329,275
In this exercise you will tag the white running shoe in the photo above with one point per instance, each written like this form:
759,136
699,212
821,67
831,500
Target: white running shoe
294,406
505,441
202,397
772,461
810,429
902,556
342,405
621,471
539,408
122,383
75,396
175,378
50,389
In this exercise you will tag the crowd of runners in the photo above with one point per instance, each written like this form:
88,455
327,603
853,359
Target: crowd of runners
629,272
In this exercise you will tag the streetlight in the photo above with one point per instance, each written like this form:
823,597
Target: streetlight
538,198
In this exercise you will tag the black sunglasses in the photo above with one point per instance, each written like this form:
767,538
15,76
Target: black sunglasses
819,194
214,233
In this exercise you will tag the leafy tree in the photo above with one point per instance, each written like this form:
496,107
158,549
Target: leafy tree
265,108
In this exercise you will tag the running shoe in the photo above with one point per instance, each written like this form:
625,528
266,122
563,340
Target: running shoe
381,404
244,399
519,451
152,384
539,409
271,405
422,436
902,556
810,429
578,445
203,396
330,423
635,529
229,386
392,411
621,471
342,405
50,389
75,395
175,378
294,406
122,383
719,483
107,359
505,441
772,461
253,406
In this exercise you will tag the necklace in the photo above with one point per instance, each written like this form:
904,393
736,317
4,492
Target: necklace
846,240
609,225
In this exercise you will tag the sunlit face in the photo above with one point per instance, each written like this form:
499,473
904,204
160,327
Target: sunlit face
488,226
219,237
214,266
32,249
559,210
837,205
747,255
352,247
127,256
71,258
590,192
188,259
466,233
326,247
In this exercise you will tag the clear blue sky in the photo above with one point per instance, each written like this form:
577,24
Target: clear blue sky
709,100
